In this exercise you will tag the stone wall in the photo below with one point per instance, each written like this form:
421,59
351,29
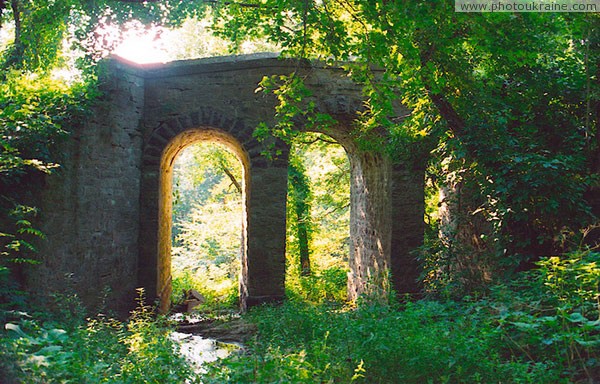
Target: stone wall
90,208
370,225
407,185
107,215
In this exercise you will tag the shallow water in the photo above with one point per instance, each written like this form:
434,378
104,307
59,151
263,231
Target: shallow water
199,350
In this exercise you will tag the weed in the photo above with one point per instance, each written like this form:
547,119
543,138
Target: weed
101,349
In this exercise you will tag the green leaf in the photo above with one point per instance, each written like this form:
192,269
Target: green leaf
15,328
57,334
49,350
577,317
588,343
525,326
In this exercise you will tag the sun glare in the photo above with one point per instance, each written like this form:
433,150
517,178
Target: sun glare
143,46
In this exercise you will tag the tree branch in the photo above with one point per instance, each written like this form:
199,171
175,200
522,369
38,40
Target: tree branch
331,211
232,178
309,142
455,123
16,56
245,5
212,2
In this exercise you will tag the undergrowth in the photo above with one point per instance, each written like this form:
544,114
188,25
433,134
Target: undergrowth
46,348
542,328
219,294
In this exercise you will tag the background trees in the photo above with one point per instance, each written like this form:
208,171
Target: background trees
504,106
207,221
318,219
507,103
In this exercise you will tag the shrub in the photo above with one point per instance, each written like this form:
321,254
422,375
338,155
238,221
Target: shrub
327,286
542,328
424,342
553,316
214,284
40,349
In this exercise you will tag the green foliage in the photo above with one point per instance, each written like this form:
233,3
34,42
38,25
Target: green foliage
296,106
17,248
328,169
214,283
36,114
199,175
39,31
508,97
207,224
325,286
505,100
196,38
556,317
542,329
42,349
205,174
317,219
425,342
42,29
17,242
299,195
211,236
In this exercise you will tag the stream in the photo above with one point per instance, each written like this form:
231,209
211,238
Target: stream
199,350
201,342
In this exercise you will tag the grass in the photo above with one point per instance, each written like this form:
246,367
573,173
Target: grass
542,328
421,342
51,348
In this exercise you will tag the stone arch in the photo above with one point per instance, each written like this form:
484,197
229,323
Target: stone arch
160,150
175,146
370,206
101,213
203,117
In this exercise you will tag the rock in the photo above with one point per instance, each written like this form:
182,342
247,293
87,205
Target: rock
193,299
236,330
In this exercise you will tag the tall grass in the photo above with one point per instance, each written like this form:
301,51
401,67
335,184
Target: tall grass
45,349
543,328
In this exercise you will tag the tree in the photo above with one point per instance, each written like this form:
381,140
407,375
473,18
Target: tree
207,216
300,195
326,173
41,27
508,101
507,98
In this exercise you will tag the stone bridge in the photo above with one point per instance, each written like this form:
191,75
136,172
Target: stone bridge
107,213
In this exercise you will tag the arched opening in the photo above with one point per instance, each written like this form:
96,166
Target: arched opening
318,225
206,227
165,229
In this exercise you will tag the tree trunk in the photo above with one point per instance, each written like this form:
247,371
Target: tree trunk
300,192
15,58
232,178
303,247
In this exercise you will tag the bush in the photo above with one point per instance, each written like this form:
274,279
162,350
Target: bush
552,316
214,284
36,113
41,350
543,328
424,342
328,286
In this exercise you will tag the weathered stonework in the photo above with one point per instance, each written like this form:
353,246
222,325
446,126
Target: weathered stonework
107,215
